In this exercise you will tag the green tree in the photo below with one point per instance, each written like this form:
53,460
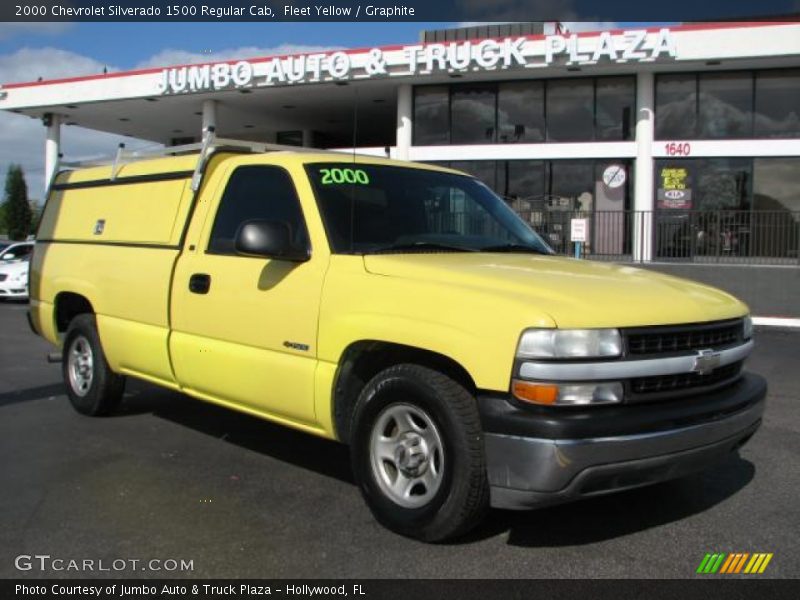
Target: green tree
18,214
36,215
2,217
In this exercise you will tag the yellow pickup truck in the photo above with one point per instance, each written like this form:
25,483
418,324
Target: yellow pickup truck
403,309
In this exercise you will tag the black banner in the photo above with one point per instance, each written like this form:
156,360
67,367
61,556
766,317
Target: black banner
393,10
732,588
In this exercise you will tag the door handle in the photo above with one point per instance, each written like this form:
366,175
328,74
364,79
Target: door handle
200,283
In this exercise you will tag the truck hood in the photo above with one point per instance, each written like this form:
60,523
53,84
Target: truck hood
573,293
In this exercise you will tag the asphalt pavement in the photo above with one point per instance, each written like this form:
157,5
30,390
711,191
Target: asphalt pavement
172,478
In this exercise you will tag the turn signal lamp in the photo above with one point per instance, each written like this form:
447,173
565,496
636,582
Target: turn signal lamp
535,393
567,394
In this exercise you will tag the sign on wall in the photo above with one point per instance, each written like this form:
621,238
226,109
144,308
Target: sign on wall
674,188
614,176
467,56
577,230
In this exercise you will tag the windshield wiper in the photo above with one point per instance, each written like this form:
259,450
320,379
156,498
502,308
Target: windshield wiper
514,248
420,247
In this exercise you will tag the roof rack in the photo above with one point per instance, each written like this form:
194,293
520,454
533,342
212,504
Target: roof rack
210,144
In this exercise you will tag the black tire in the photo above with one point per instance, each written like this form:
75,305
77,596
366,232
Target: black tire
92,387
458,496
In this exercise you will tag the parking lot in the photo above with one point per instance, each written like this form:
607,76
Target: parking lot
173,478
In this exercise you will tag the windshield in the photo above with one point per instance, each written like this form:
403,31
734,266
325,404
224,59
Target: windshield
374,208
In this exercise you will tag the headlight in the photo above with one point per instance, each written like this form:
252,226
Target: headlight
748,327
569,343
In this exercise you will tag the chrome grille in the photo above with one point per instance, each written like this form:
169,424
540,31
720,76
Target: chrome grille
676,340
684,381
682,338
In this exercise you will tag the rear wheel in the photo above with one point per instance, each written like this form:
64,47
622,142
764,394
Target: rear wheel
417,451
92,387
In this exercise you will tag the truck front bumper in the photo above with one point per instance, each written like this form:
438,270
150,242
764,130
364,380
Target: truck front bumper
538,457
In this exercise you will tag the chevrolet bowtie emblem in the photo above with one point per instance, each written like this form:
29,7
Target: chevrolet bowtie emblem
706,361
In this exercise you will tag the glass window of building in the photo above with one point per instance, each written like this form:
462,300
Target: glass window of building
704,207
571,184
472,114
431,115
548,194
614,108
520,112
776,192
570,110
676,107
525,180
723,183
485,170
725,105
777,111
776,184
705,184
569,187
289,138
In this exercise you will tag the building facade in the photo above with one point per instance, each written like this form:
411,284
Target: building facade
677,144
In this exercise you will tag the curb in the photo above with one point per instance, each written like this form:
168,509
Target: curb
776,322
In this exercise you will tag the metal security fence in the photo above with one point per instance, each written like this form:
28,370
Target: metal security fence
703,237
728,236
609,233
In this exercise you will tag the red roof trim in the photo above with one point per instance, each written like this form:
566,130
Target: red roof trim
133,73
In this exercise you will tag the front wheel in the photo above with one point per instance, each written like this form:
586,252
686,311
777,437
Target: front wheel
417,452
92,387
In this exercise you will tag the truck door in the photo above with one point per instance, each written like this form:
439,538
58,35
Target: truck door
245,328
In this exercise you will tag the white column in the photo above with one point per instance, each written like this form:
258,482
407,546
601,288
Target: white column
52,148
643,198
209,115
404,121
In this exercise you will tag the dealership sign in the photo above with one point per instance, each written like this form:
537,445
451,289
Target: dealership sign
468,56
674,191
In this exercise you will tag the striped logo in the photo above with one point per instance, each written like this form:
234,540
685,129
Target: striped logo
735,562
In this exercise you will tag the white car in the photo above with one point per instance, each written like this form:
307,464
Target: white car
14,250
14,278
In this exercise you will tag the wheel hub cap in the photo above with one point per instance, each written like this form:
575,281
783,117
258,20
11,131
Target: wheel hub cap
80,366
411,454
407,455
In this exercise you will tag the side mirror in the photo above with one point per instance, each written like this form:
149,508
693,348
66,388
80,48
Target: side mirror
9,256
271,239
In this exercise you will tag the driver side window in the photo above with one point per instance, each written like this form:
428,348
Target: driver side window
257,192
